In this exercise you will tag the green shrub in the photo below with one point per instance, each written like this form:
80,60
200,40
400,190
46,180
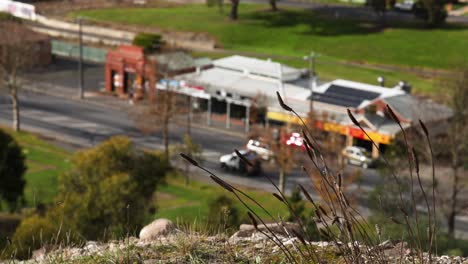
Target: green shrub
223,216
298,210
107,193
33,233
8,17
149,42
12,169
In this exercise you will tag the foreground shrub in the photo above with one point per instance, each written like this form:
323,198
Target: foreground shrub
33,233
223,216
12,169
107,193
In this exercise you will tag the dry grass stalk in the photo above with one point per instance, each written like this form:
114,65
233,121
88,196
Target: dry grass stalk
340,222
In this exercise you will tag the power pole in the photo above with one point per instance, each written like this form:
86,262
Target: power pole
312,77
80,59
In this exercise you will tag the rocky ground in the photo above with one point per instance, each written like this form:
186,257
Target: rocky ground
162,242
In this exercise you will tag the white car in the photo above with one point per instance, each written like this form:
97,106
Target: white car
262,149
406,5
233,162
357,156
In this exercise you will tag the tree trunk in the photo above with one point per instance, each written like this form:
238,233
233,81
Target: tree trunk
189,116
451,224
234,6
166,138
273,5
15,108
282,180
453,200
187,174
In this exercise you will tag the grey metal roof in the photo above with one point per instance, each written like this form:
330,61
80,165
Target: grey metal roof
259,67
383,124
413,108
246,85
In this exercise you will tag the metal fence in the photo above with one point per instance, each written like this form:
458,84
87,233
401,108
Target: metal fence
72,50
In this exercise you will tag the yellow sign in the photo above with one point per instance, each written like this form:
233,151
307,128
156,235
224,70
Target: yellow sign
282,117
333,127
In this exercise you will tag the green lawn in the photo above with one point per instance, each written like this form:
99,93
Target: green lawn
45,163
189,204
296,32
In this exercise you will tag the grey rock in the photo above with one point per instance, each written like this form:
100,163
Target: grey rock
158,228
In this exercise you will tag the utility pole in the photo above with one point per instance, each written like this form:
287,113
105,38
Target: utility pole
80,59
312,77
189,115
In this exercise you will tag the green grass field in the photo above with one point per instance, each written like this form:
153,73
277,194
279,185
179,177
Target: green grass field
45,163
189,204
297,32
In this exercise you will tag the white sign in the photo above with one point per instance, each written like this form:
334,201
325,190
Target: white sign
18,9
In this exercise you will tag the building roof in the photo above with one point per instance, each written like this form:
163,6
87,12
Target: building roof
246,85
413,108
266,68
351,94
174,61
13,32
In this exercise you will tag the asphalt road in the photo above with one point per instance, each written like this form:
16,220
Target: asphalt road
63,72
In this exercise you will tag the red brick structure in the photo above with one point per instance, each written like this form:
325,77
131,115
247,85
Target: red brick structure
129,72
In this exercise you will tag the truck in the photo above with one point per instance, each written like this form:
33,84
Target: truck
234,163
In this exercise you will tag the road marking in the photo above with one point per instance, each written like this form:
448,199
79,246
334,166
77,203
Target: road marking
53,118
72,123
210,153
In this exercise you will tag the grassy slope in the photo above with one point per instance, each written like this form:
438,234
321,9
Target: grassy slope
296,32
45,162
190,203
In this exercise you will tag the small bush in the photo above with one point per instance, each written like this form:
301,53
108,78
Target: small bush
33,233
8,17
222,215
298,212
149,42
12,169
107,193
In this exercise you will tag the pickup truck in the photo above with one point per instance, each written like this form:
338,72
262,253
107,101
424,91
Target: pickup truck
234,163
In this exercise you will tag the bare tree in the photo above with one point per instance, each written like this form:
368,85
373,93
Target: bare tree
192,150
273,5
158,110
157,114
285,160
16,55
234,9
258,109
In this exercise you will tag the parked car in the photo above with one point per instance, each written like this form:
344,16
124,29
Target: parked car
406,5
262,149
294,139
357,156
233,162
